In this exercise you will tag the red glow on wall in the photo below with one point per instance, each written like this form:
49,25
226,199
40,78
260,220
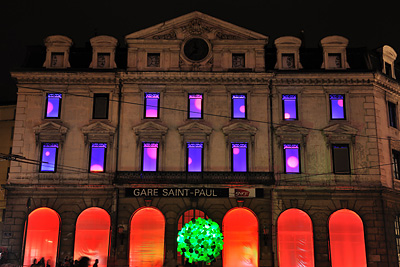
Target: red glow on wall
240,229
346,236
42,236
147,238
92,236
295,239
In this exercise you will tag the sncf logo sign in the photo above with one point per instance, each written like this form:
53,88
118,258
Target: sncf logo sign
241,193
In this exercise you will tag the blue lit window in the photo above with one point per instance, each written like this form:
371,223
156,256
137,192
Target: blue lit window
195,157
239,106
239,157
151,105
53,105
49,157
337,107
195,106
289,107
292,159
97,157
150,156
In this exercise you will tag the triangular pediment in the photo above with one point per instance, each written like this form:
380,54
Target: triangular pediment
290,130
98,128
195,128
150,127
340,129
50,127
239,128
196,24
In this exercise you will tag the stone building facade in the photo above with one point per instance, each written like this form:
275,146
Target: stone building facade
283,136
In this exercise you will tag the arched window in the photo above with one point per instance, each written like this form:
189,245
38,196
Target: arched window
184,219
295,239
92,236
42,236
346,236
147,238
240,229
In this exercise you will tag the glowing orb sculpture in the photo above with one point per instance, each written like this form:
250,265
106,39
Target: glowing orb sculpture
200,240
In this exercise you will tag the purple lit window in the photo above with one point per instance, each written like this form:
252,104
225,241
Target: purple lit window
195,157
49,157
239,106
53,104
98,157
150,155
337,107
195,106
239,157
289,107
292,159
151,105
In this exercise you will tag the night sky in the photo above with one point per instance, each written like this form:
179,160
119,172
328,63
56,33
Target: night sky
368,24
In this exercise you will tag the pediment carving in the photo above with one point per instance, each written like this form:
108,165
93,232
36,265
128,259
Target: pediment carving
239,128
98,132
150,131
340,133
50,131
194,128
291,134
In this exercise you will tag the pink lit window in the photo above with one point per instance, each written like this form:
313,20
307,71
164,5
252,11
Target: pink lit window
195,157
289,107
295,239
292,159
98,157
239,106
239,157
337,107
53,106
346,237
195,106
151,105
150,156
240,230
49,157
42,236
92,236
147,232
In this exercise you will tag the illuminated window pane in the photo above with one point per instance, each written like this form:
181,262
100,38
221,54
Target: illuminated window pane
195,157
295,239
289,107
100,106
341,159
337,107
397,236
53,105
146,248
239,157
240,230
346,236
150,155
92,236
42,236
238,106
98,157
396,164
49,157
195,106
151,105
292,159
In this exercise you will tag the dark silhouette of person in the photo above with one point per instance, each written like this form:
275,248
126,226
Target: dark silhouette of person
48,263
84,262
41,263
34,263
96,263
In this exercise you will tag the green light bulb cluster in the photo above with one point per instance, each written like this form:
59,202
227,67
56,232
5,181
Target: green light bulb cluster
200,240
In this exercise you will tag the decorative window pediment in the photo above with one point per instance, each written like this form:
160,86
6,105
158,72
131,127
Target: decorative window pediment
98,132
50,132
288,57
239,131
340,133
150,131
195,131
334,52
57,52
103,56
291,134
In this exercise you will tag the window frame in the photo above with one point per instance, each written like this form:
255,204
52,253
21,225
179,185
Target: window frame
397,236
98,95
396,164
59,106
148,55
298,155
157,159
331,107
333,159
105,156
245,106
283,107
202,105
187,156
288,54
145,105
392,114
244,60
247,156
41,157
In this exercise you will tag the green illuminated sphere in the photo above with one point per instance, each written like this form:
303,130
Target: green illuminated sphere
200,240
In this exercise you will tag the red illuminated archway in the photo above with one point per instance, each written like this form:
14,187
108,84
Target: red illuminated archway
42,236
346,236
295,239
147,233
92,236
240,229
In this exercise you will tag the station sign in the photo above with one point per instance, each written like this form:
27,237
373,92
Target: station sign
195,192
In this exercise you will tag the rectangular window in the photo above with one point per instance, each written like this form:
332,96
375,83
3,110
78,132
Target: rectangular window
335,60
103,60
48,161
397,236
195,106
151,105
153,60
337,107
100,106
57,60
239,157
288,61
238,60
98,157
239,106
392,109
341,159
150,156
292,158
396,164
289,103
195,157
53,106
388,69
